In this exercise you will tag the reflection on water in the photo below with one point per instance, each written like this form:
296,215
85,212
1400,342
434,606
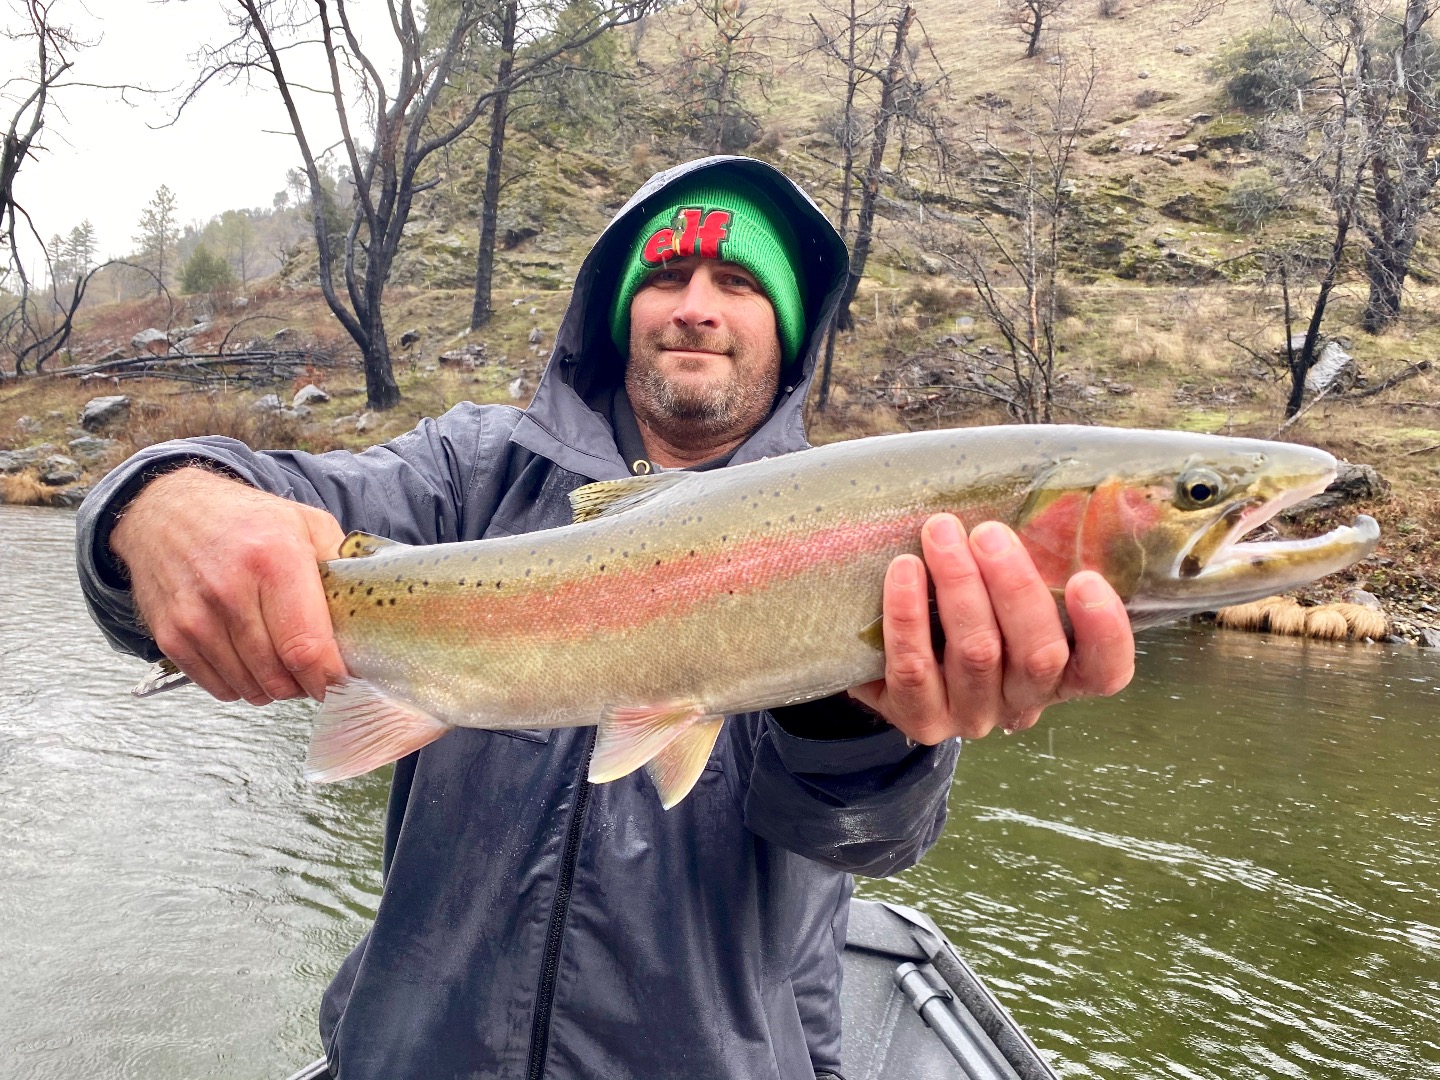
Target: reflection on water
1230,871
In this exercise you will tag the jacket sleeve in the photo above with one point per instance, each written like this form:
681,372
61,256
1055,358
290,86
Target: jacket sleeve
872,804
423,487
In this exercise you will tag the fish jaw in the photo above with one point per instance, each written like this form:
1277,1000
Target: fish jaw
1220,568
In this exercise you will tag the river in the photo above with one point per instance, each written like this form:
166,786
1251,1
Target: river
1229,871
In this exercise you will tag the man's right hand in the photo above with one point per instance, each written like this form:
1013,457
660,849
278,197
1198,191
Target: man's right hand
227,580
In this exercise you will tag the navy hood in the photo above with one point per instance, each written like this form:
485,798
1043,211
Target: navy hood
567,422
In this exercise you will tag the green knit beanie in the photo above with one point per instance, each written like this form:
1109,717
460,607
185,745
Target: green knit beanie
727,220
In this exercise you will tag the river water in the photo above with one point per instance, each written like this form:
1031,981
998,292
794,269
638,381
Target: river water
1230,871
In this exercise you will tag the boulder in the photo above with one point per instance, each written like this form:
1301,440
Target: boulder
12,461
28,425
1190,151
268,403
309,394
468,356
1364,599
536,335
1429,637
102,412
408,338
88,448
1334,370
57,470
151,340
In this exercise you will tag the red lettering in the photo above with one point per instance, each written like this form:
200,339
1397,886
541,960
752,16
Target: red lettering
660,246
687,225
712,233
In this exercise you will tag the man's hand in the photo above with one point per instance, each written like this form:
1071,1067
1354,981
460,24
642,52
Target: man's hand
1006,656
227,581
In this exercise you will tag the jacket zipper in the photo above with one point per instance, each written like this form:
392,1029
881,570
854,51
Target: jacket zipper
550,967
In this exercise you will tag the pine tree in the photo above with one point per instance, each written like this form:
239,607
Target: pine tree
158,234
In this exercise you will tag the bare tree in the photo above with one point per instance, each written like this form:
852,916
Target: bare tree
1383,73
1327,147
32,332
722,62
413,115
1009,250
1032,17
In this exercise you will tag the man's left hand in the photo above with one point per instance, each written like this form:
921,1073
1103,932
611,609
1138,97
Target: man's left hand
1006,656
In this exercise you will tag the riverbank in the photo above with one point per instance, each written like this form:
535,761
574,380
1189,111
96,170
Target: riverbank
59,434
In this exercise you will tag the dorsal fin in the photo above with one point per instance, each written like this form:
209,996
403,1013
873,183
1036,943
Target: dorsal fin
357,545
613,496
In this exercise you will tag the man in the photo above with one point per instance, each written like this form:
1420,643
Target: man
531,924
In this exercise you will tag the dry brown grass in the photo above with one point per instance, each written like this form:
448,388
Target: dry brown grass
190,415
1325,622
23,489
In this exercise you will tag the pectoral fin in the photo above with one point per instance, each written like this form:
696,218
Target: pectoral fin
630,737
676,768
361,728
163,675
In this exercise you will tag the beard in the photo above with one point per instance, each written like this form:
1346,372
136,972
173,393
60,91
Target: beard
738,401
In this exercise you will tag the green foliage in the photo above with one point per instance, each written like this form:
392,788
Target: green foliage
204,272
159,231
1263,68
1253,199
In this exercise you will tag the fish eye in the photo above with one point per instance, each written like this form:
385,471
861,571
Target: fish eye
1199,488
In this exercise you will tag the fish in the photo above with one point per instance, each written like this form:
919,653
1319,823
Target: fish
677,598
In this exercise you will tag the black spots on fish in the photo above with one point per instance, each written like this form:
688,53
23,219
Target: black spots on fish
624,554
602,568
589,558
549,562
370,591
335,595
819,509
792,519
352,613
499,583
425,583
725,538
352,591
534,551
380,602
794,487
479,584
399,578
854,482
462,581
410,588
657,563
886,463
392,601
527,571
692,553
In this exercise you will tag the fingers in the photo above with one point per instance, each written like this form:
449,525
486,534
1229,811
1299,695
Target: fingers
227,579
1032,635
1103,660
974,652
1006,656
914,695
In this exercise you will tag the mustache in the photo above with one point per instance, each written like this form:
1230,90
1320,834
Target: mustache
694,341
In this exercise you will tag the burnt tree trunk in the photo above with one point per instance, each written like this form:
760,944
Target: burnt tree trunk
483,309
870,189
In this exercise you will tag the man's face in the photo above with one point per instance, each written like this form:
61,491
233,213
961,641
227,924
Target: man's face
703,348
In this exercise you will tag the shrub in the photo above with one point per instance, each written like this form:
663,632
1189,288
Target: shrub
1252,200
1263,68
204,272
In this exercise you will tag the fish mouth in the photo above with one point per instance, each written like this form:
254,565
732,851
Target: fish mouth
1225,568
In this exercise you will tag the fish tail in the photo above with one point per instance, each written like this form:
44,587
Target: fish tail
360,728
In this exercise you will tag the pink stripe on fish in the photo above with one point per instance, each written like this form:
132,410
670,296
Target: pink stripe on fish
627,591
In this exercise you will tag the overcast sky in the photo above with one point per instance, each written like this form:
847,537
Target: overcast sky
103,159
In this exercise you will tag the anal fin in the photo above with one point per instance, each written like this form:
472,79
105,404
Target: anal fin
676,768
629,737
360,728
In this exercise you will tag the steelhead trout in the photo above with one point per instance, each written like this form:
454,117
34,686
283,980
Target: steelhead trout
677,598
